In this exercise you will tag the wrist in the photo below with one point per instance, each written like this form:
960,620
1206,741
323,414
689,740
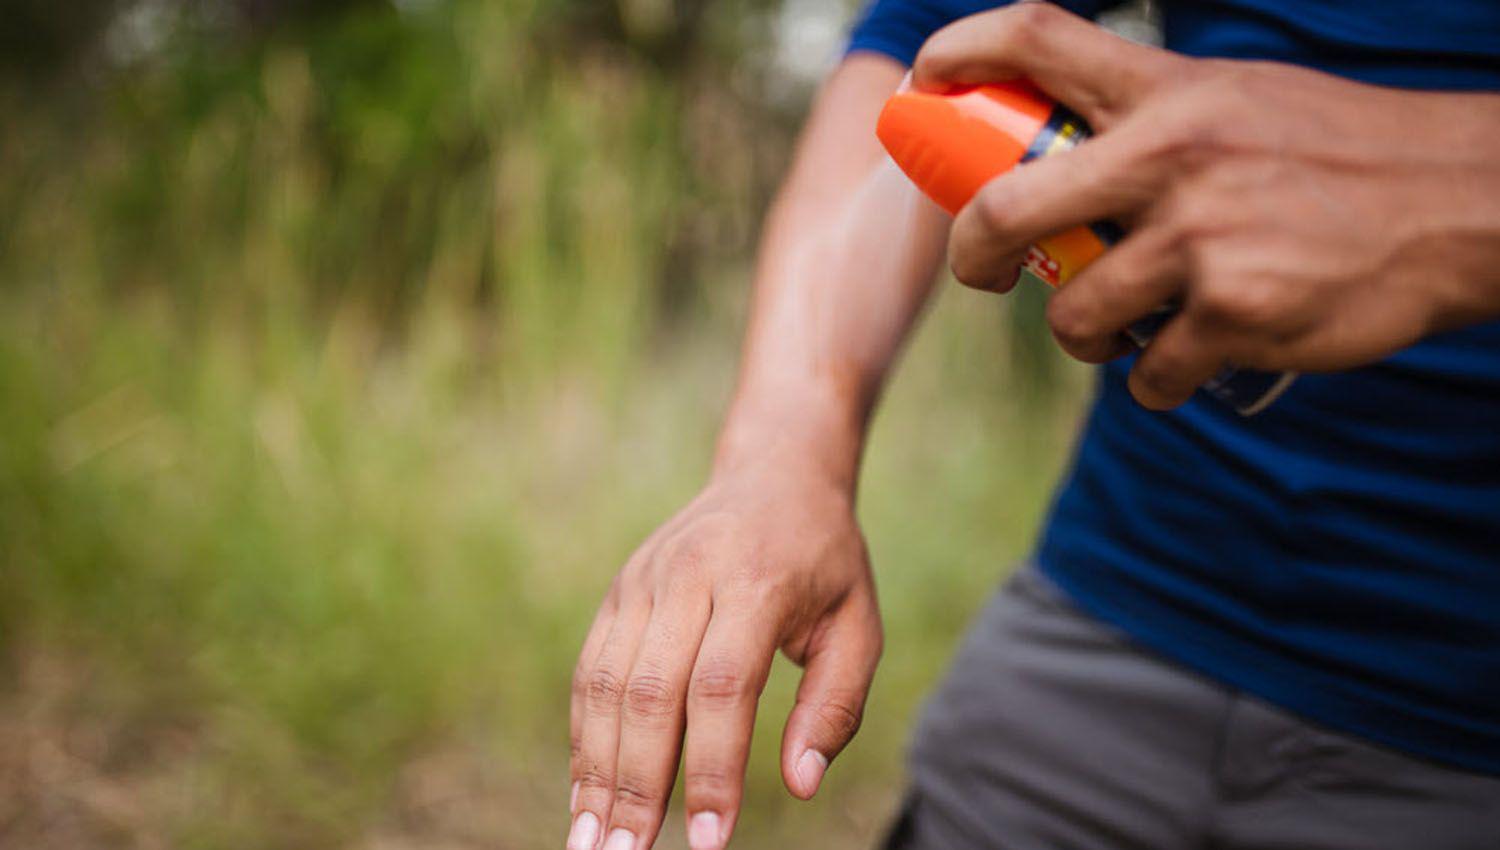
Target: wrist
819,434
1447,231
1464,211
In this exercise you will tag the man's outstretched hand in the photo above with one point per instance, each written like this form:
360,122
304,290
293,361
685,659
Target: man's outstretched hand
1303,221
768,556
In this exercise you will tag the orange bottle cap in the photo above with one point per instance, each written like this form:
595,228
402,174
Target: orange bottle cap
953,142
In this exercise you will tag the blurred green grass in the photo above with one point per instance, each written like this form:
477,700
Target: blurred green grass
341,370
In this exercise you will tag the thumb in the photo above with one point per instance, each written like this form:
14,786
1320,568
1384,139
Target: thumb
840,663
1100,75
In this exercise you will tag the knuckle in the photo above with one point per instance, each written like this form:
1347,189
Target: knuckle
605,690
710,782
1017,27
1227,88
964,271
994,211
636,792
649,697
1149,386
936,57
750,583
1072,320
1026,22
840,718
1158,378
1189,138
1200,259
1184,232
1163,70
627,589
1162,371
967,271
1192,229
1219,308
720,684
698,546
1257,306
690,551
594,776
1234,303
757,586
980,238
684,581
1204,223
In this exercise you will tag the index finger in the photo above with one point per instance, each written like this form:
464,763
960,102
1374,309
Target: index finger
1099,74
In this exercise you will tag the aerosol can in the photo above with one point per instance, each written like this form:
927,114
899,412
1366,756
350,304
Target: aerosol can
953,142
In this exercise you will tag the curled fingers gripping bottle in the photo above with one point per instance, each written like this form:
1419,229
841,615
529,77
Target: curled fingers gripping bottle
952,143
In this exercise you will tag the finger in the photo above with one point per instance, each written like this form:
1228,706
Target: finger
1099,74
587,657
1108,177
599,740
840,663
1179,359
652,716
1124,285
727,679
998,274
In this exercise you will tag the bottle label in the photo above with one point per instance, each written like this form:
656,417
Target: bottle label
1057,258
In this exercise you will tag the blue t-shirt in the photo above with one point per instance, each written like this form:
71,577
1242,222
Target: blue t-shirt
1338,554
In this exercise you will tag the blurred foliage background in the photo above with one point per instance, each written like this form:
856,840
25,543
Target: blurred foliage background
347,347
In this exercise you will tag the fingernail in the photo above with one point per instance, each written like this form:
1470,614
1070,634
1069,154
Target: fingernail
573,799
585,832
810,769
620,839
703,831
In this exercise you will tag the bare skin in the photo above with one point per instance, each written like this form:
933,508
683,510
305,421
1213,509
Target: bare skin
1305,222
769,556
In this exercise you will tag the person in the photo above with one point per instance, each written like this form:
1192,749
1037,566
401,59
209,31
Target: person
1280,631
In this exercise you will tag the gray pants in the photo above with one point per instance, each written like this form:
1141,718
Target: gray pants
1053,731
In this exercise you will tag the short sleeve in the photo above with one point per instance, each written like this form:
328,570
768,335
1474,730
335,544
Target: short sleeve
897,28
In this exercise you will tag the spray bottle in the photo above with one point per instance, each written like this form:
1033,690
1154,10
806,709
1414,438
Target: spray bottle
951,143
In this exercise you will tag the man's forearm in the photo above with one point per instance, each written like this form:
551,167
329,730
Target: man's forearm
846,264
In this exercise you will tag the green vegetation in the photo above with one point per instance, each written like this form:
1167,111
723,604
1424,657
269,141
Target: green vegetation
342,365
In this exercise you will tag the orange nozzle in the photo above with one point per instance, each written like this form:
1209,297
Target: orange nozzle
953,142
